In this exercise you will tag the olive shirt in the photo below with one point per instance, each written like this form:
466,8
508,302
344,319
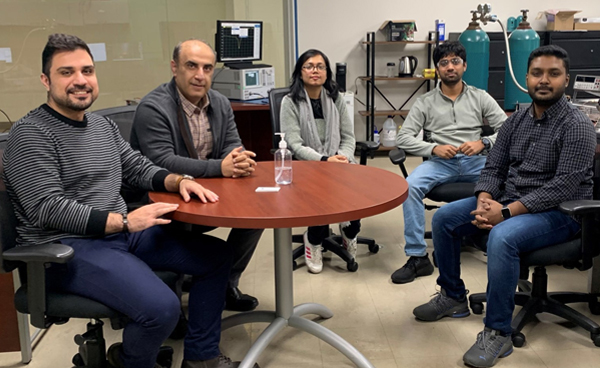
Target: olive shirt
449,122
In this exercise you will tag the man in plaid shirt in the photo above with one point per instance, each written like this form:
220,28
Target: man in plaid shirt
543,156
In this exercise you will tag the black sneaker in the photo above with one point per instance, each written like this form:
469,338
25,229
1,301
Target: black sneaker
415,266
489,347
442,306
163,360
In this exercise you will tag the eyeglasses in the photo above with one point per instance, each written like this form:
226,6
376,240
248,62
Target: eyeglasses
455,61
310,67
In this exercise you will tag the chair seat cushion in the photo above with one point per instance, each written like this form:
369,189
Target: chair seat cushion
67,306
451,192
562,254
64,305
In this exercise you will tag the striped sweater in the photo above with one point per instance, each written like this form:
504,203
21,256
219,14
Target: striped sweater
64,176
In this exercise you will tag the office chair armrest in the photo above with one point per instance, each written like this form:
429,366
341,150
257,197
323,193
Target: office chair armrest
45,253
36,257
397,156
587,211
367,145
580,207
366,148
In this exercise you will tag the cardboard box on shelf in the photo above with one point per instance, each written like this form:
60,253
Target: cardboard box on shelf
399,30
559,19
589,24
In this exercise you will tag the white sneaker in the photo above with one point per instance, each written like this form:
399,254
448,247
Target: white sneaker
313,256
349,244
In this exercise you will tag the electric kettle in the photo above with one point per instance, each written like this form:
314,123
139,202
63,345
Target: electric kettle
408,65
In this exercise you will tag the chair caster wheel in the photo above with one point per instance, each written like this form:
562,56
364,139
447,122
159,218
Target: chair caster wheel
595,308
352,266
374,248
294,265
518,339
477,308
596,339
78,360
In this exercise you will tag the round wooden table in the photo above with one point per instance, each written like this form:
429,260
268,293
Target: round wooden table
321,193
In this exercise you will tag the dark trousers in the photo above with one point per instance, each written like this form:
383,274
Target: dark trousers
316,234
117,271
243,243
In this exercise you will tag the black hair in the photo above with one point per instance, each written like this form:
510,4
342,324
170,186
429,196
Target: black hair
59,42
550,50
177,49
297,85
449,48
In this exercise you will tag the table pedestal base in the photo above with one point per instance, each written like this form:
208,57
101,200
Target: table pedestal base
288,315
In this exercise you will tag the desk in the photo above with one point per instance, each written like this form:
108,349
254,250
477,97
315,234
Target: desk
253,123
321,193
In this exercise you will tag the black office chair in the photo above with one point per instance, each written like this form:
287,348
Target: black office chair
122,115
333,242
447,193
577,253
47,307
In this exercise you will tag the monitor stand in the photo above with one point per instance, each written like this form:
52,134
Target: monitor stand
246,65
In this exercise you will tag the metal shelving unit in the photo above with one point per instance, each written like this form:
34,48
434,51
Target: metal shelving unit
370,113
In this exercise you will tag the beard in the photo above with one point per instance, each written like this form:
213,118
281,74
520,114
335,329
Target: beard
450,81
546,100
76,104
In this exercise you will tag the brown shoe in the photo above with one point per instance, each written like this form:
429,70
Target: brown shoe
219,362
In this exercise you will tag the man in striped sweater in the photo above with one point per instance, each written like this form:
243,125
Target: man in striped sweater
63,171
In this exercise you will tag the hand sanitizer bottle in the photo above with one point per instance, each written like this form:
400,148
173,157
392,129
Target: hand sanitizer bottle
283,162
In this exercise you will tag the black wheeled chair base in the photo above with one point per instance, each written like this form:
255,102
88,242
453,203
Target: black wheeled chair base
332,243
541,301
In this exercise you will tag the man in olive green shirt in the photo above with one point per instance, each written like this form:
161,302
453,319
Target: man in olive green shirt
451,116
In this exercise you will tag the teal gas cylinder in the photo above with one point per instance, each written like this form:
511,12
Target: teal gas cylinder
522,42
477,45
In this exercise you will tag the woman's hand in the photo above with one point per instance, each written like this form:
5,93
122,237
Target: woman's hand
338,158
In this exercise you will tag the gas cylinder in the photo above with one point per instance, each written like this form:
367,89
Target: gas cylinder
522,42
477,45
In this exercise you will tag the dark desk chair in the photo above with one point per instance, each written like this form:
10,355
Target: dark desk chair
332,243
577,253
47,307
447,193
123,116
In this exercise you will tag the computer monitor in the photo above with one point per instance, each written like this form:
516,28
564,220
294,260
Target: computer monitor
239,42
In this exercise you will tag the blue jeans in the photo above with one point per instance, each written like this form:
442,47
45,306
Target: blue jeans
117,270
506,240
428,175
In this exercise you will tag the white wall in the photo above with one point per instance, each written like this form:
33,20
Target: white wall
336,27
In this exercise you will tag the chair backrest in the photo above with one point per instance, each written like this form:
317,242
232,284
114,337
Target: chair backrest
122,116
8,220
276,95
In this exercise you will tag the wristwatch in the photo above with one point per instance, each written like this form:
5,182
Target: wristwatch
182,178
487,144
506,213
125,223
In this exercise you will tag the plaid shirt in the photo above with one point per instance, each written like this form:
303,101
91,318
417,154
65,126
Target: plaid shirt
541,162
199,126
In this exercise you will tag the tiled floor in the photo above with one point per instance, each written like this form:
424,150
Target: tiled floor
370,312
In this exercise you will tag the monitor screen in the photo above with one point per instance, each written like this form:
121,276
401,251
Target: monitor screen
252,78
238,41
